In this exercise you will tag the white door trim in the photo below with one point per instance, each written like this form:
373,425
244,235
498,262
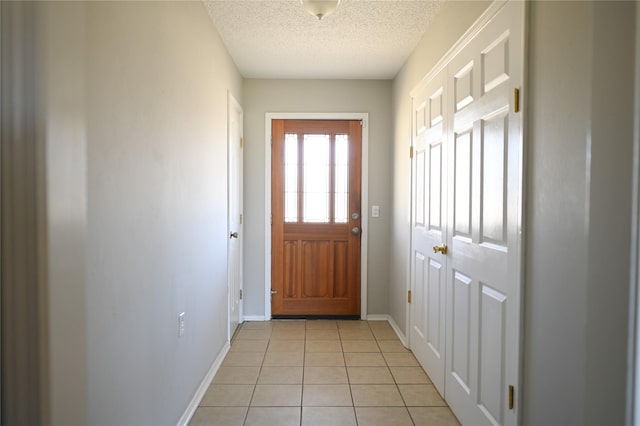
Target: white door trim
364,117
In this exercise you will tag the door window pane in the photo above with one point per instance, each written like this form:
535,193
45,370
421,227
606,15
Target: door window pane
291,177
316,153
341,167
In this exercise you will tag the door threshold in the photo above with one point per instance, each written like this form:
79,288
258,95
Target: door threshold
316,317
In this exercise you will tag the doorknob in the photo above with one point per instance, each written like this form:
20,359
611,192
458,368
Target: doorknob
233,235
355,230
274,292
442,248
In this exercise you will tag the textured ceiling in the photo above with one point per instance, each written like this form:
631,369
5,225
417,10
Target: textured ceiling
362,39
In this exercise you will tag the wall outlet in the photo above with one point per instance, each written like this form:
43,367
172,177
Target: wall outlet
181,325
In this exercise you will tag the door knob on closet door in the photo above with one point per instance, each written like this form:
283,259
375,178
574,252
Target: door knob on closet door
442,248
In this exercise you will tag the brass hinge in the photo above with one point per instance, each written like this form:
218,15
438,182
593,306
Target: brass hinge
516,100
240,219
240,294
241,142
409,296
411,151
511,396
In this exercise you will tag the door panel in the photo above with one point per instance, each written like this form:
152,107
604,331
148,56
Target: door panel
461,318
486,169
316,179
428,275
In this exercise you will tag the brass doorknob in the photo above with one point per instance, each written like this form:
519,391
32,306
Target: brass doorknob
442,248
233,235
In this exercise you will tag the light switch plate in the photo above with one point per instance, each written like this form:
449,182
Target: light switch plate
375,211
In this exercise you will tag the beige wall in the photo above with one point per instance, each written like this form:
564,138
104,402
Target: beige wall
262,96
131,118
62,131
578,108
157,79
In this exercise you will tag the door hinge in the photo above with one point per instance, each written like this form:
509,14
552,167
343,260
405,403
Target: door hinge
240,219
363,123
271,218
511,396
241,142
411,151
409,296
516,100
240,294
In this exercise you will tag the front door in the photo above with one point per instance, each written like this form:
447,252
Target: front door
316,217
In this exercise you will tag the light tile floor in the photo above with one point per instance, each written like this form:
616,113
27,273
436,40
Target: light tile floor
320,373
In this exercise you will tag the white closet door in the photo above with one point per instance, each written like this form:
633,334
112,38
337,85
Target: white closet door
484,223
428,275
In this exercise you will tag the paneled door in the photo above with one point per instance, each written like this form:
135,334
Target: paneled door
485,223
234,217
428,273
467,206
316,181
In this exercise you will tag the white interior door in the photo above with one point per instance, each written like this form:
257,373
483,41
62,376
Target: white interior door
467,194
428,273
234,273
484,223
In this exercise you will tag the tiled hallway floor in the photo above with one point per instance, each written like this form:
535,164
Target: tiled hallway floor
324,373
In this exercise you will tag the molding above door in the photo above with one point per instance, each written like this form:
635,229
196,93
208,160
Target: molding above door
364,117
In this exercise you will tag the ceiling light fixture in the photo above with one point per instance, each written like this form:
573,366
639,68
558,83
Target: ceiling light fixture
320,8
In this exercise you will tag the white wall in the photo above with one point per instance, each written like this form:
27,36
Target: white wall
578,137
262,96
132,126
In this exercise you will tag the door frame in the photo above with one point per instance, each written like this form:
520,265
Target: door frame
234,105
364,117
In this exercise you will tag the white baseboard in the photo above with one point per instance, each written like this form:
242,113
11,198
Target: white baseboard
400,334
377,317
204,385
255,318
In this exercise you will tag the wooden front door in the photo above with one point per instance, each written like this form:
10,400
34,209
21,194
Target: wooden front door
316,180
